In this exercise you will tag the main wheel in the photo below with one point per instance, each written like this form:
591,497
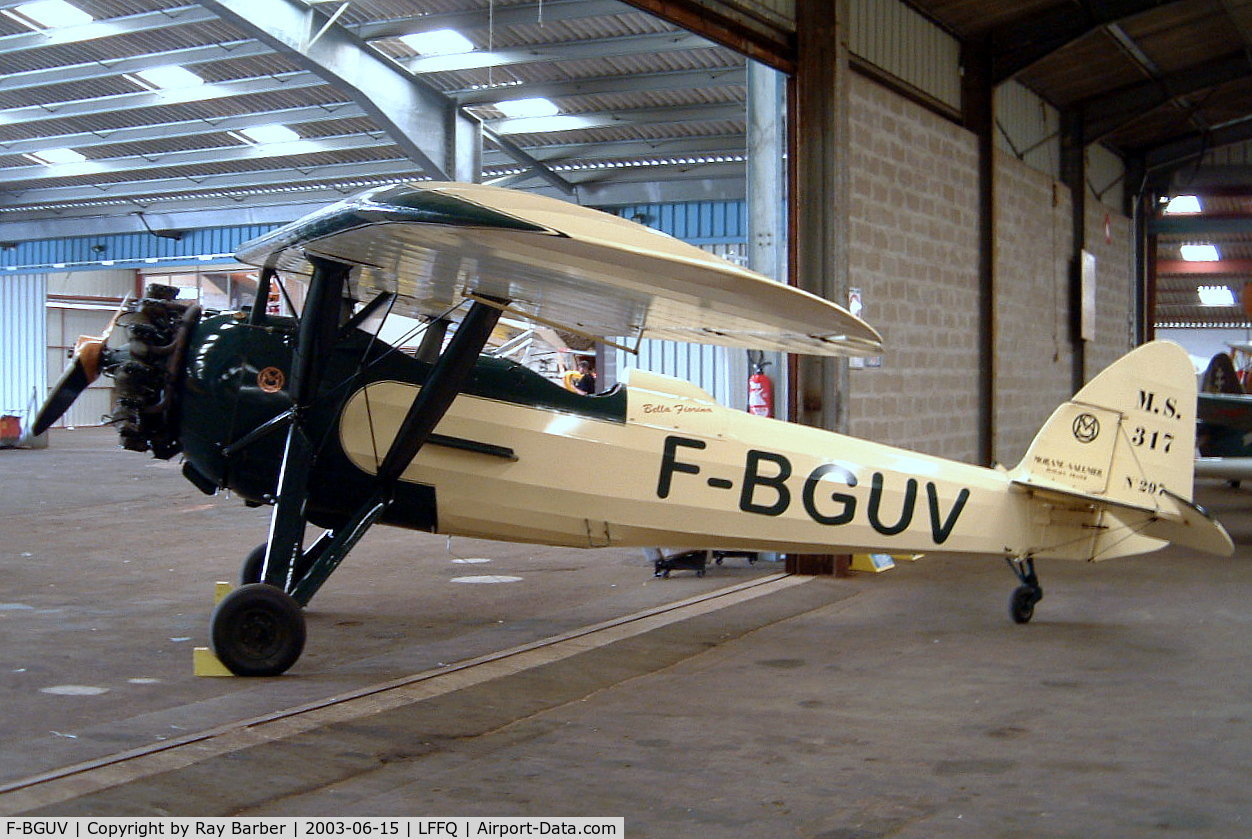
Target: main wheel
1022,604
257,630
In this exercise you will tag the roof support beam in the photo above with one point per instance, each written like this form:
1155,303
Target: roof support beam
157,98
533,166
674,80
521,14
1028,41
625,149
106,68
769,41
569,51
710,183
426,125
141,193
185,128
1225,267
1175,154
608,119
176,160
143,22
330,183
287,180
1106,114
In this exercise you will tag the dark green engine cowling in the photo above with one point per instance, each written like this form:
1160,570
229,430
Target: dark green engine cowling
235,381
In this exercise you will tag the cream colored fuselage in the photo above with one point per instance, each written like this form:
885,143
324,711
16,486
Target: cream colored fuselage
685,472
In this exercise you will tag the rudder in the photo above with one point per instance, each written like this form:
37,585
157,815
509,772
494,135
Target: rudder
1128,436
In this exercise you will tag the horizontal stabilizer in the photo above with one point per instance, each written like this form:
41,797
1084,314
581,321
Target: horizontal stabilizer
1173,519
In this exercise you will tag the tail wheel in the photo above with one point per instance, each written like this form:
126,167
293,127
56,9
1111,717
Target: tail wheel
257,630
1022,603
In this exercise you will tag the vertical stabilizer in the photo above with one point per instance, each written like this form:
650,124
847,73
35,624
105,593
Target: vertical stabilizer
1127,437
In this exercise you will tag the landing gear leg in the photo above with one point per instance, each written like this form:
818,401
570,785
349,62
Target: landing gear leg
258,630
1024,597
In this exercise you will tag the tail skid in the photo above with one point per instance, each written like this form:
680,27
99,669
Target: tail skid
1123,447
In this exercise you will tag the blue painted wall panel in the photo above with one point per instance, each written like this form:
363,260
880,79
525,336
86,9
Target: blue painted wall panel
697,222
23,345
130,250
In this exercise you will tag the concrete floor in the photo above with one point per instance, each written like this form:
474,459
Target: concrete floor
903,704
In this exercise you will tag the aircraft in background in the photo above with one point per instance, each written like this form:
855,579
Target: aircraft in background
332,427
1224,413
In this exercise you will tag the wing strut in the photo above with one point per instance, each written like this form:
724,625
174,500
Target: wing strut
449,375
287,565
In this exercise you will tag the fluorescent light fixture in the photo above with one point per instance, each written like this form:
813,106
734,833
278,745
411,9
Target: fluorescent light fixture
168,77
1216,295
438,42
49,14
1199,253
54,156
269,134
1180,204
522,108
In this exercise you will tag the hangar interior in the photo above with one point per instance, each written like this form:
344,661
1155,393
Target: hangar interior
991,182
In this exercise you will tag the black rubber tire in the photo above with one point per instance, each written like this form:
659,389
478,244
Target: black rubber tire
1022,604
252,565
254,562
257,630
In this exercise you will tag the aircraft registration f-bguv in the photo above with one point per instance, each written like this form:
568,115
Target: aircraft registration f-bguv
332,426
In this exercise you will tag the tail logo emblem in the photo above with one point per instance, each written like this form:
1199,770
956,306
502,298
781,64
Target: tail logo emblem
1086,428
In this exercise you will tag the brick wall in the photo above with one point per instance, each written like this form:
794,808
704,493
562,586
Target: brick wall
1033,355
914,255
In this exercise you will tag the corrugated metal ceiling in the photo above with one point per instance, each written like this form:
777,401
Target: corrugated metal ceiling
80,105
1159,77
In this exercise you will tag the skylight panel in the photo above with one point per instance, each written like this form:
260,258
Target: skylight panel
48,14
1216,295
1199,253
54,156
438,42
266,134
523,108
1183,204
168,77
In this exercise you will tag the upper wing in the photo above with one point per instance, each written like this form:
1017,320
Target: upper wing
588,271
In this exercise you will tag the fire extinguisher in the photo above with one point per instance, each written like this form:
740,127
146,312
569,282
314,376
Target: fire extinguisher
760,389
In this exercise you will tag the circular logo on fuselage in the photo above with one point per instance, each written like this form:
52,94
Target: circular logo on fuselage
1086,428
270,379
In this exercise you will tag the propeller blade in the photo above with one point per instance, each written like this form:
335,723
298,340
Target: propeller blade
73,381
83,369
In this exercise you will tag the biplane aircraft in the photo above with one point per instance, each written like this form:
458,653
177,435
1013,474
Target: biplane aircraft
317,417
